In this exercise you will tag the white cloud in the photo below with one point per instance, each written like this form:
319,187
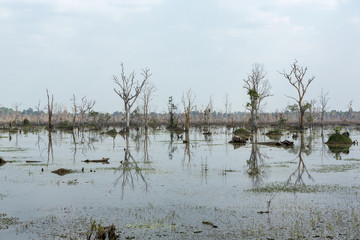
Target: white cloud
354,20
114,9
323,4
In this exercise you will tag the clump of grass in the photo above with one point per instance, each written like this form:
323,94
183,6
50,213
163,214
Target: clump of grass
336,168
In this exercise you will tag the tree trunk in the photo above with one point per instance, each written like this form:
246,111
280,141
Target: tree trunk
302,115
127,117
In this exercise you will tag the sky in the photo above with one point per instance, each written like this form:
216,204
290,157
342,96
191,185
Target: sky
209,46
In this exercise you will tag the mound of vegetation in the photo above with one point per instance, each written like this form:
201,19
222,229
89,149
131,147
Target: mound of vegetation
112,132
275,132
242,132
338,138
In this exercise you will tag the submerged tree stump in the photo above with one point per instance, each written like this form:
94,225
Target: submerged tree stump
103,160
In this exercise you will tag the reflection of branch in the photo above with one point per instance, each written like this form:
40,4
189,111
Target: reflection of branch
50,148
255,162
301,169
126,176
171,148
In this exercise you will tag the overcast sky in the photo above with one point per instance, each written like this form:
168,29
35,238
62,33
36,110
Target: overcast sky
209,46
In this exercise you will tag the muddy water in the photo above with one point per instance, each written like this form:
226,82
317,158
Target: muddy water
156,186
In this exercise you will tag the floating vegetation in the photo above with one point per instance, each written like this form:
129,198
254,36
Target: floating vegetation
297,188
337,168
155,225
13,149
352,159
5,222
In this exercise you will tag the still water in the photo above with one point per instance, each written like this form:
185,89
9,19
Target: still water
157,186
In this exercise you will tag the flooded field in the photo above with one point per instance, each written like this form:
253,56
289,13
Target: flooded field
156,186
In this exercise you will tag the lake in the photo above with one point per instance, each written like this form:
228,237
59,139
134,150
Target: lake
155,186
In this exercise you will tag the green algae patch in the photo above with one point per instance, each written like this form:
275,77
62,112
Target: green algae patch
337,168
297,188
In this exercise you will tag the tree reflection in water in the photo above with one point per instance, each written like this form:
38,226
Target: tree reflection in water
301,168
50,150
187,152
171,148
256,170
129,171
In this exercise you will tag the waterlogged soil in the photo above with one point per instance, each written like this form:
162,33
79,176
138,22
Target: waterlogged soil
155,186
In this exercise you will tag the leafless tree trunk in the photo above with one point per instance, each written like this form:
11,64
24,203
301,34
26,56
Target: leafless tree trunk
146,99
84,107
258,88
296,79
323,100
227,105
349,112
207,113
74,109
16,106
50,108
37,107
188,103
129,90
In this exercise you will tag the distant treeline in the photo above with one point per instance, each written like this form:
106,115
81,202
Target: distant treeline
9,115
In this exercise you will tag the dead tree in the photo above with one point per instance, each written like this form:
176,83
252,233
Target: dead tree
323,100
85,106
129,90
227,106
146,98
258,88
37,107
50,108
349,112
16,106
74,109
188,103
296,78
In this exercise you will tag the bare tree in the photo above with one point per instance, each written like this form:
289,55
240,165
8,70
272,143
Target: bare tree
349,112
323,100
258,88
188,103
50,108
146,98
37,107
207,112
129,90
227,106
16,106
85,106
296,79
74,109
